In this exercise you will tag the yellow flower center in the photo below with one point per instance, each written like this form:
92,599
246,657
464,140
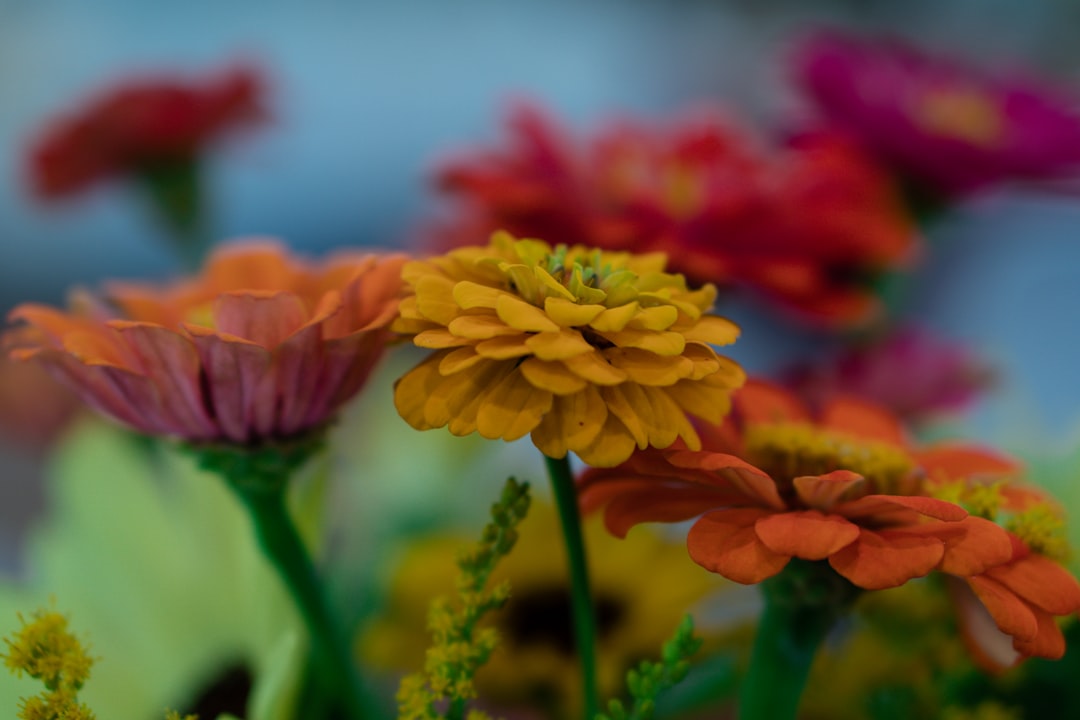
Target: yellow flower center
1042,529
789,450
981,499
1040,525
961,114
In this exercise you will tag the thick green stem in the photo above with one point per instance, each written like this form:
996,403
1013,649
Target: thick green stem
283,547
584,618
802,604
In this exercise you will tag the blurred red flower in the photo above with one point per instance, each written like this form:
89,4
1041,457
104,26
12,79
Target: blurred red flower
139,124
810,224
950,129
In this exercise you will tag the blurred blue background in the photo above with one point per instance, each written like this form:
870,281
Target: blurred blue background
365,97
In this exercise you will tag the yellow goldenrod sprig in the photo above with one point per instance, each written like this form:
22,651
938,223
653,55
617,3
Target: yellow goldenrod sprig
651,678
46,650
458,648
173,715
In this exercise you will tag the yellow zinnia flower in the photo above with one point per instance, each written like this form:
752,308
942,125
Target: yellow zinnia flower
590,351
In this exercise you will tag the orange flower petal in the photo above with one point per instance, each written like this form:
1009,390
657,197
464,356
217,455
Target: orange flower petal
1040,581
824,491
265,318
749,480
957,460
760,402
872,505
863,420
1012,615
887,558
1049,642
982,545
724,542
806,534
659,502
990,648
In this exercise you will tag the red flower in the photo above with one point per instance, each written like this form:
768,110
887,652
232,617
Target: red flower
140,124
259,347
780,483
809,225
946,126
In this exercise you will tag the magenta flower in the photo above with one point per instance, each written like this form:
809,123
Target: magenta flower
914,374
952,130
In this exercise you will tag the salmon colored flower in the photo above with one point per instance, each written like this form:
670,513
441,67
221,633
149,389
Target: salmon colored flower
34,408
780,483
259,347
139,125
591,352
1020,597
809,225
949,128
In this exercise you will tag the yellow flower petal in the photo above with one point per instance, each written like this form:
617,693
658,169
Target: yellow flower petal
711,404
456,399
435,299
568,313
460,359
613,445
573,423
480,327
469,295
647,368
615,319
619,403
560,345
594,368
660,317
512,409
554,289
524,282
438,339
704,358
661,343
523,316
712,330
552,376
504,348
412,390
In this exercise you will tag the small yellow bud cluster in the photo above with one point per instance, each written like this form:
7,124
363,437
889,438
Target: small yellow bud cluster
459,648
46,650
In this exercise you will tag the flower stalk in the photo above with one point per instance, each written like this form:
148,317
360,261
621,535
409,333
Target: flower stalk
802,604
260,480
582,612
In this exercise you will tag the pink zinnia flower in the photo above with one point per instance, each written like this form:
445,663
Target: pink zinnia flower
259,347
909,371
949,128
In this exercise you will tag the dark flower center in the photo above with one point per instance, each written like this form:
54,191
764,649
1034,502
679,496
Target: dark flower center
543,616
226,692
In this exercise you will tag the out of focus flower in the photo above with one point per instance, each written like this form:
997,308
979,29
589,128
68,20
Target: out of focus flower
165,582
591,352
950,129
533,665
809,225
910,372
781,483
1022,596
34,407
260,347
133,127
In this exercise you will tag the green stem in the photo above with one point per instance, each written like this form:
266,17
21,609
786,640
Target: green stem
175,190
562,485
283,547
802,604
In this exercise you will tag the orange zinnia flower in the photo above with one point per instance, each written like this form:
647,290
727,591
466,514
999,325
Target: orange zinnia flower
1023,595
809,224
780,483
259,347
